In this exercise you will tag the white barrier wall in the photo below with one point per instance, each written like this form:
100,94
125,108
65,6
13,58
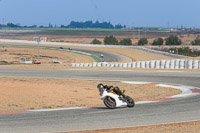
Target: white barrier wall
142,64
147,64
138,64
134,65
157,64
195,64
172,64
177,64
162,64
190,64
152,64
167,64
182,64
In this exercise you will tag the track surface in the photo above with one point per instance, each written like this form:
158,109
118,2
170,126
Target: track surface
108,56
178,110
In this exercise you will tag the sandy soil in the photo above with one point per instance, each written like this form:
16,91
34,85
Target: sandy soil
135,55
86,37
19,94
14,55
187,127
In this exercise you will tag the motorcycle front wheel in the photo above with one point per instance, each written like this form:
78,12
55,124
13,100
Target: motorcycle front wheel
110,102
130,102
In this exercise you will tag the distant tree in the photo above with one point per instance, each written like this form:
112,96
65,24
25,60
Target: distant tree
95,41
50,25
173,40
110,40
62,26
90,24
158,41
33,26
143,41
118,26
125,41
196,41
12,25
41,26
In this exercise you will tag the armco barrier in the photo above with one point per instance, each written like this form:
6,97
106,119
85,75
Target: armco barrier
158,64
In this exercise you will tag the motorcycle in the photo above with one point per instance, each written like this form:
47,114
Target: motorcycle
112,100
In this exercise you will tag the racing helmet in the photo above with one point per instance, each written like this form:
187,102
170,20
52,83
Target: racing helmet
100,86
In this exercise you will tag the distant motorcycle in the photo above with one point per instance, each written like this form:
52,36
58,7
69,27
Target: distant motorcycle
112,100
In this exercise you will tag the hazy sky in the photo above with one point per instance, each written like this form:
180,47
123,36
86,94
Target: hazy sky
145,13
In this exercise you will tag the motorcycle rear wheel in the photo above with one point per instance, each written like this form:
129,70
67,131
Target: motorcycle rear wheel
130,102
110,102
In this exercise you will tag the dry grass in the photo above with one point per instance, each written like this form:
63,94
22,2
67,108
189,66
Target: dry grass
14,55
135,55
19,94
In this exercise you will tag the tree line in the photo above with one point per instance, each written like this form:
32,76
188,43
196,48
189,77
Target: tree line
171,40
91,24
111,40
73,24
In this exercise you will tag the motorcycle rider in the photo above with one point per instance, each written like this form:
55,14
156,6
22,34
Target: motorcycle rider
110,88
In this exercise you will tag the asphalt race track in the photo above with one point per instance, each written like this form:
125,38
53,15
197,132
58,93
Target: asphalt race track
179,110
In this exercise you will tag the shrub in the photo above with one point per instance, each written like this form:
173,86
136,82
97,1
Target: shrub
158,41
173,40
110,40
95,41
125,41
196,42
143,41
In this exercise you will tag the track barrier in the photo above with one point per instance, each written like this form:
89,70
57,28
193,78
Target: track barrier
154,64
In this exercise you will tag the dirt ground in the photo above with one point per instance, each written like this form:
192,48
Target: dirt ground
19,94
14,55
86,37
134,54
186,127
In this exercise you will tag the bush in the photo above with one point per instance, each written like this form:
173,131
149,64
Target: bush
125,41
173,40
110,40
143,41
158,41
185,51
95,41
196,42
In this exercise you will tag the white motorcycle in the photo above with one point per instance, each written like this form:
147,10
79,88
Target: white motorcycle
112,100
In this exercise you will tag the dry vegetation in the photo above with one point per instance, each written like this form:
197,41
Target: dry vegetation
19,94
14,55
